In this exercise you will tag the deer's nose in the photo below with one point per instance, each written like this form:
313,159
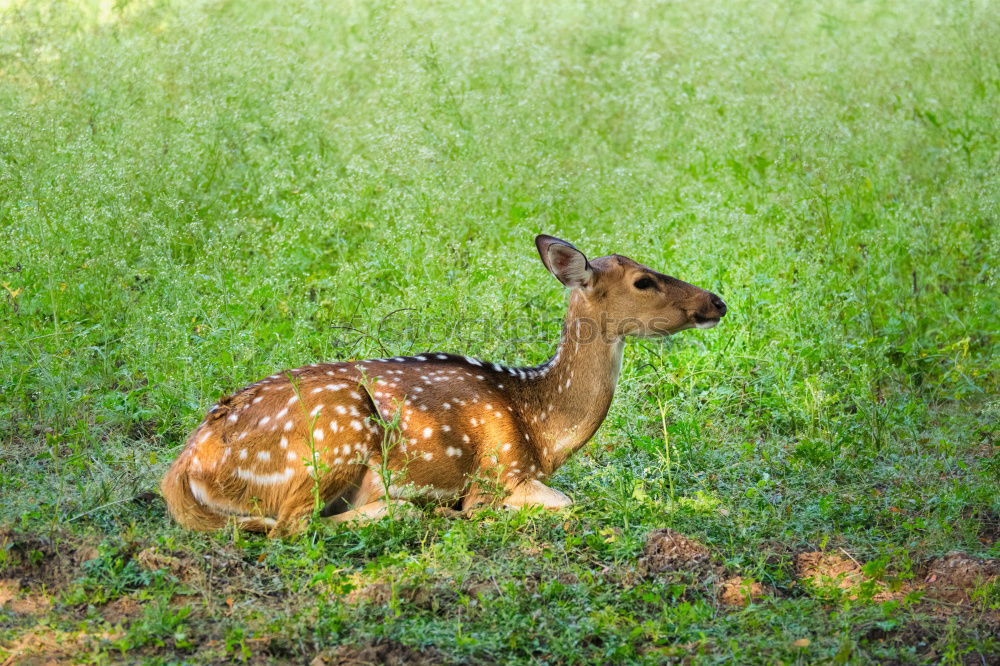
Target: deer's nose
719,305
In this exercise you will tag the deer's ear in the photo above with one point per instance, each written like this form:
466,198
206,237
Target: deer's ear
568,264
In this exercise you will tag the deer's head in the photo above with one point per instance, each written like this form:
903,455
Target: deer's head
622,297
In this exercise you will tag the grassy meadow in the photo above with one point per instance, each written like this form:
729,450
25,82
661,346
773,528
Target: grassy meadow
194,195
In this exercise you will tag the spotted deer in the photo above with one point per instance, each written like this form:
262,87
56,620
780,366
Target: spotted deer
358,436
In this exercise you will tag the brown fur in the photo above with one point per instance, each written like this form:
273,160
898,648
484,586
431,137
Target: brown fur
463,425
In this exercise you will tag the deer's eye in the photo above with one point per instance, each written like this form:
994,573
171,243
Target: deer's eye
644,283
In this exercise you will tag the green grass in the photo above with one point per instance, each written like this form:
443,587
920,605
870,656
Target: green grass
196,195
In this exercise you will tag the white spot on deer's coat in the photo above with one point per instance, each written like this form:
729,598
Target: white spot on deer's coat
316,410
446,428
420,358
317,389
284,442
257,399
265,479
199,491
264,455
234,417
442,357
205,435
398,359
318,434
293,400
446,405
292,455
264,421
473,361
428,432
465,438
356,424
428,455
288,426
243,454
341,409
281,413
453,452
505,448
242,436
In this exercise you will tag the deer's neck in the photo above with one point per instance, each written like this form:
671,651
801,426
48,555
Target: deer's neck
570,395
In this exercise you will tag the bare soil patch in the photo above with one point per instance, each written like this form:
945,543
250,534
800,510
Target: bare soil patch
121,611
667,551
828,568
44,645
952,578
44,562
738,592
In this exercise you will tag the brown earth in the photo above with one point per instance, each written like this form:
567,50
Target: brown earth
44,645
829,568
950,579
43,562
738,592
667,550
953,577
121,611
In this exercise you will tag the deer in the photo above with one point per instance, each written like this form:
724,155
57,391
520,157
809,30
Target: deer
361,438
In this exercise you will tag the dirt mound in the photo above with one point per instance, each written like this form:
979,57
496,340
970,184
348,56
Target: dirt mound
667,550
819,568
953,577
389,653
42,561
738,592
